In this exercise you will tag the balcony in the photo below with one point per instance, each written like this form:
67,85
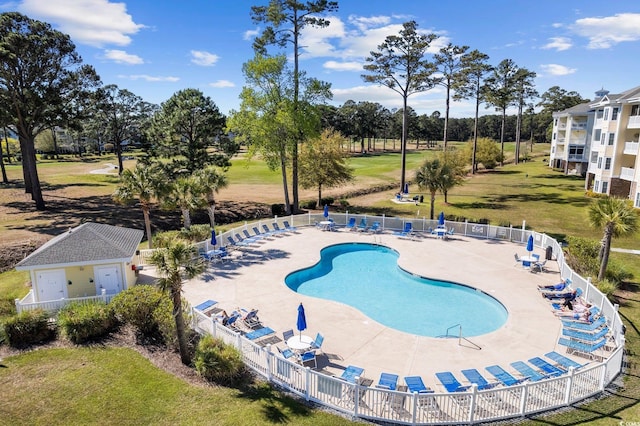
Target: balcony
578,126
560,140
627,173
577,158
634,122
631,148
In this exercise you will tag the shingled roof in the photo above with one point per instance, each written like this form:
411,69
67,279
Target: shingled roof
89,242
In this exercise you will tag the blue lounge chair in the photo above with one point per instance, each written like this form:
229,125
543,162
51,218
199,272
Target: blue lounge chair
245,241
257,233
205,305
584,335
218,254
387,381
351,224
450,383
288,227
564,295
375,228
407,232
277,228
416,385
257,334
586,326
286,353
287,334
503,376
549,369
269,232
582,347
308,357
478,379
234,243
249,237
362,226
351,373
527,371
562,360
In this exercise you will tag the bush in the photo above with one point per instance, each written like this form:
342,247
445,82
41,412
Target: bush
218,362
136,306
196,233
309,205
162,239
83,322
166,324
607,287
29,327
344,203
277,209
327,201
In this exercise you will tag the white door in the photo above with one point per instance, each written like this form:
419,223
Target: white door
52,285
108,278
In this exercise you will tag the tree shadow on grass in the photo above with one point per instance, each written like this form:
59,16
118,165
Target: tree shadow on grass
275,403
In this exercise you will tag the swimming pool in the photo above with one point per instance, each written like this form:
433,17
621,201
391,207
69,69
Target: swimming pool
368,278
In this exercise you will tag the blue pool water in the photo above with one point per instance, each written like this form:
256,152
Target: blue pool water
367,277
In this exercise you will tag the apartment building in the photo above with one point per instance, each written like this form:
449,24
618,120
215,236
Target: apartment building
609,158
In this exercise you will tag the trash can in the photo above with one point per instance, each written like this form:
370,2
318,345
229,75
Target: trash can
549,253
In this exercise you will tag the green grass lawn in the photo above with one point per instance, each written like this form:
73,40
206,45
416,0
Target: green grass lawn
117,386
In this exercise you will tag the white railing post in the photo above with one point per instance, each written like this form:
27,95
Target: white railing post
18,305
523,401
103,293
356,396
415,408
474,396
269,354
307,384
570,379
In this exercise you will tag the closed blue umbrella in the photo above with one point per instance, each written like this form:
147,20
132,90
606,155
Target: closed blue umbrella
441,219
326,210
406,188
213,238
301,324
530,243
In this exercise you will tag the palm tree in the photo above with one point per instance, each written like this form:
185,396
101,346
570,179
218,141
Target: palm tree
144,184
175,264
184,193
211,181
430,177
618,218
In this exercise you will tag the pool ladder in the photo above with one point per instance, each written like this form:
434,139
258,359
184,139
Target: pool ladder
460,336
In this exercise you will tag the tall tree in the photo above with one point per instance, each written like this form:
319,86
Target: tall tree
145,184
449,63
122,113
187,128
524,90
176,264
40,73
285,21
474,68
322,163
211,179
616,217
400,64
498,92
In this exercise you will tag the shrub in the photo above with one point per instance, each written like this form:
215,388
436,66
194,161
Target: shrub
309,205
83,322
582,255
136,306
277,209
166,324
607,287
218,362
162,239
29,327
344,203
196,233
327,201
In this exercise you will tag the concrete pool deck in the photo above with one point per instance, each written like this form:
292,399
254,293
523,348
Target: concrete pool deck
256,280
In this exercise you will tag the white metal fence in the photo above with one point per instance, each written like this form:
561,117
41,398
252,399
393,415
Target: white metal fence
27,303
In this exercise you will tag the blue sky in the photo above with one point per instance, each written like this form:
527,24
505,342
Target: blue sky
157,47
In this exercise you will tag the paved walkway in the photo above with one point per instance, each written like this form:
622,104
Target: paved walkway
256,280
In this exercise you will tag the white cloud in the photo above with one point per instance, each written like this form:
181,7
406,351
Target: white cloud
122,57
555,69
150,78
609,31
92,22
343,66
205,59
250,34
558,43
222,84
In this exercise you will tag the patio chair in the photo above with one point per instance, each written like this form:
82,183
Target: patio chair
518,261
249,237
387,381
407,232
245,241
317,343
588,336
269,232
232,324
286,353
259,333
351,373
416,385
287,334
362,226
450,383
503,376
351,224
307,358
257,233
375,228
251,319
478,379
582,348
277,228
288,227
585,326
539,266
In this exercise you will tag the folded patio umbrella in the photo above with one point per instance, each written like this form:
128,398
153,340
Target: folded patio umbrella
213,238
326,210
301,324
530,243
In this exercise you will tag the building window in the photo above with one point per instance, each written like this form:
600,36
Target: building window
576,151
594,157
605,186
614,114
599,114
606,114
635,110
612,137
596,186
607,163
599,162
637,199
596,134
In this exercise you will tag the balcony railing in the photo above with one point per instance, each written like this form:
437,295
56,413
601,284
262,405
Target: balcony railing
631,148
634,122
578,126
627,173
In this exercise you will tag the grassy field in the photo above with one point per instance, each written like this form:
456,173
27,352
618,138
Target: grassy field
50,385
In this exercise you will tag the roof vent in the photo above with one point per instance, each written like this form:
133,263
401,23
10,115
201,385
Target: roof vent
602,93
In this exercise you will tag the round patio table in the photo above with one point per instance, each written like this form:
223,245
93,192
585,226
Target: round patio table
299,343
